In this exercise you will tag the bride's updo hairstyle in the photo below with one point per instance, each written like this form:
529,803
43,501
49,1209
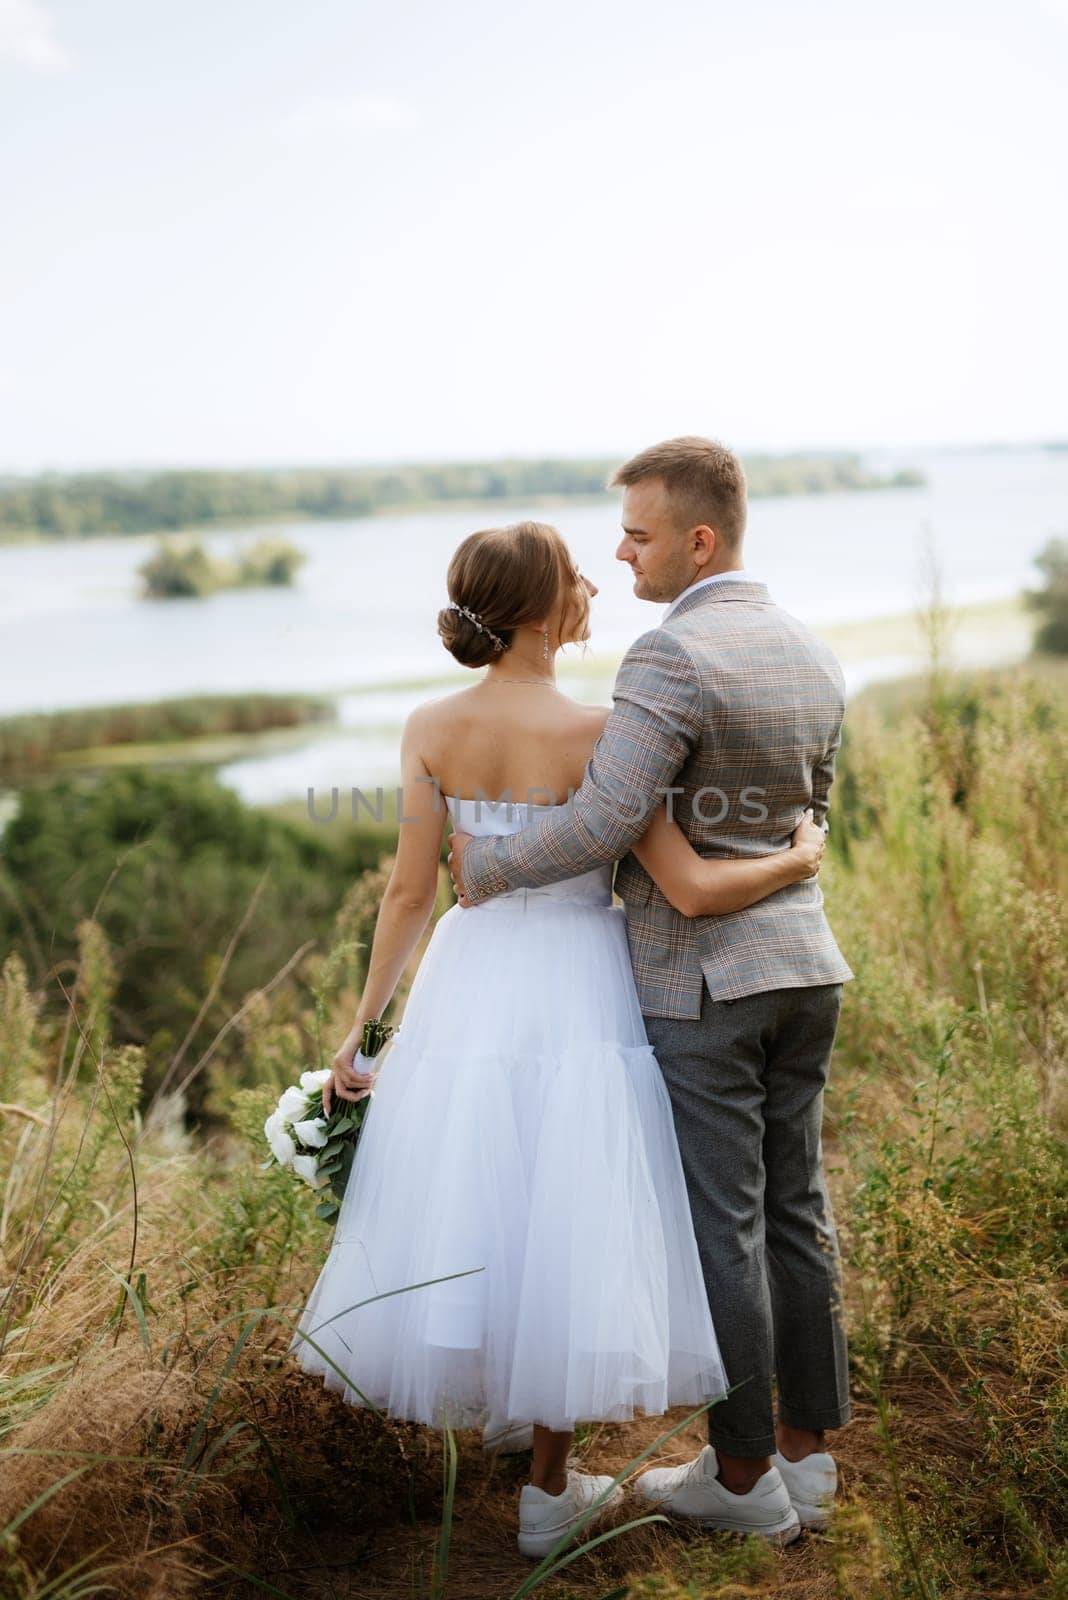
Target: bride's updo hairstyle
509,577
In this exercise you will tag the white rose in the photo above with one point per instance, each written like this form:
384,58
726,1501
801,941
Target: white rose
293,1103
307,1167
312,1132
310,1081
282,1146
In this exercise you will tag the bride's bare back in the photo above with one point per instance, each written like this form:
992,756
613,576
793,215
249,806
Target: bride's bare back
528,744
524,742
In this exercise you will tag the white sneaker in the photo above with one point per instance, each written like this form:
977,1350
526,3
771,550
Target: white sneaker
503,1438
694,1490
544,1519
811,1485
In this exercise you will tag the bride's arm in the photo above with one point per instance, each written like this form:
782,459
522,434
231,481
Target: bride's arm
699,887
406,908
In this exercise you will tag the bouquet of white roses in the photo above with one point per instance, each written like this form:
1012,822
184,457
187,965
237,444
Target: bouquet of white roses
319,1148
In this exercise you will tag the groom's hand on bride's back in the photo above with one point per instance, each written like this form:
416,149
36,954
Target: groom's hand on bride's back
457,846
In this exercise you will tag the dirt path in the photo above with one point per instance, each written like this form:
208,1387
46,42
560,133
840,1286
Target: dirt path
395,1561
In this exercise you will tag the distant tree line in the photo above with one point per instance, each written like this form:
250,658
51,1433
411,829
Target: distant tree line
61,506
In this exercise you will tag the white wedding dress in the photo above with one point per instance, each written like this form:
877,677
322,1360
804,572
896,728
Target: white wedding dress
520,1133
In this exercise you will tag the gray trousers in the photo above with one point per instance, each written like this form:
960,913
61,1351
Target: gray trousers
746,1080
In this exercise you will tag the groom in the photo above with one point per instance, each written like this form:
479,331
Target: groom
734,709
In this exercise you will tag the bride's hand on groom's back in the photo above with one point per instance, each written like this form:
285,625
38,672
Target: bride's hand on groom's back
808,842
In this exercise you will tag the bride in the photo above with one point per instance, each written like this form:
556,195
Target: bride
519,1162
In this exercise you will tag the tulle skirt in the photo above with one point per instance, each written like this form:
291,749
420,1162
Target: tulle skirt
518,1195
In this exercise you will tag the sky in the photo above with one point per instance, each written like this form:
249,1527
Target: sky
249,231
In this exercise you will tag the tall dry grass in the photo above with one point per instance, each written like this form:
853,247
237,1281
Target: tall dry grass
950,891
154,1432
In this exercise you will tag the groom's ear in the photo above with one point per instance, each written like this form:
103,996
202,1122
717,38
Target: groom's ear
703,543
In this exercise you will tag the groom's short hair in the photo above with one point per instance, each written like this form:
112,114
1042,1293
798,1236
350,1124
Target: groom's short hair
704,479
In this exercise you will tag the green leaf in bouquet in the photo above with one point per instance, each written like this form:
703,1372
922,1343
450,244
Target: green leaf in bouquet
339,1180
327,1210
329,1151
330,1167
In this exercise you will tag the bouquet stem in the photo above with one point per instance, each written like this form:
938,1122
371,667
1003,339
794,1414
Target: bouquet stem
344,1126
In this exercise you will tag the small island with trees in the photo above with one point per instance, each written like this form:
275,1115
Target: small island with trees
186,569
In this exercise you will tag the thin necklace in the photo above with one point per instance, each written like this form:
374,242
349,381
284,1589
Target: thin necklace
544,683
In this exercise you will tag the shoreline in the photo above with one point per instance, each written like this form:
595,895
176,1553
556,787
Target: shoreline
363,747
275,766
984,632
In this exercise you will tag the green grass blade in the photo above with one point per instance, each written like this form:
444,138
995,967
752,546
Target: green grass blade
441,1566
275,1472
272,1311
550,1563
135,1301
74,1584
209,1454
205,1415
573,1553
250,1577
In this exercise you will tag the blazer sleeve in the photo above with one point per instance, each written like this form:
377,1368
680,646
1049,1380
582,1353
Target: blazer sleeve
822,778
823,769
655,722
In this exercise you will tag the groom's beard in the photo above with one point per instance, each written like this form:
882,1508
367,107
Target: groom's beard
662,590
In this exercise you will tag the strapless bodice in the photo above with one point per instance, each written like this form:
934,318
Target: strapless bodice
488,819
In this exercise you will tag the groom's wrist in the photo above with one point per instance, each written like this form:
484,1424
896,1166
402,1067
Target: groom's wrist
481,885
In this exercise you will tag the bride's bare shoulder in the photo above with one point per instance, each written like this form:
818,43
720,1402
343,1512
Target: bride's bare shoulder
468,706
442,710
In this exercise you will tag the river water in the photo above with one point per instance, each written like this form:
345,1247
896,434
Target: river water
75,632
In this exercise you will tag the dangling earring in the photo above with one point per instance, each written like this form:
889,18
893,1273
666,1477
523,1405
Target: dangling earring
545,644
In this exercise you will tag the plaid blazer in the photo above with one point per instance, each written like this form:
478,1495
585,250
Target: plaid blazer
735,707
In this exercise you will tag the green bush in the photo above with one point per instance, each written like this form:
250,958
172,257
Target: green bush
1052,602
174,868
269,561
178,570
